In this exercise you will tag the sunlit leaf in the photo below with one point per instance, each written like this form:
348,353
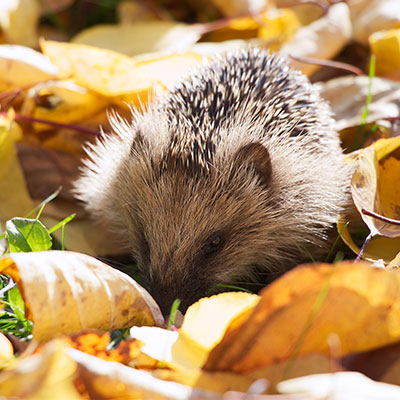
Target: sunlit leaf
374,186
115,75
155,36
322,39
24,234
18,21
62,102
6,349
66,292
298,312
14,196
21,66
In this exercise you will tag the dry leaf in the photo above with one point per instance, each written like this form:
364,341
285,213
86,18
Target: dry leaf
109,380
233,8
369,16
115,75
206,321
72,374
203,327
385,45
141,37
374,186
382,364
67,292
97,344
322,39
21,66
340,386
14,196
6,349
270,28
18,21
379,248
62,102
42,375
347,96
45,170
297,313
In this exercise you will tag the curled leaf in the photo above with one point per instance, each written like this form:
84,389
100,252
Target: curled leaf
67,292
374,186
298,312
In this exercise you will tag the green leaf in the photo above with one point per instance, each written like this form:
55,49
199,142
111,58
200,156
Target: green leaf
24,235
16,302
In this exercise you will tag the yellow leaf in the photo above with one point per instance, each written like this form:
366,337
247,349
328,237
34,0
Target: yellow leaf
115,75
278,26
374,185
155,36
67,292
369,16
203,327
379,247
21,66
61,101
41,375
205,322
385,45
274,27
18,20
6,349
14,196
298,312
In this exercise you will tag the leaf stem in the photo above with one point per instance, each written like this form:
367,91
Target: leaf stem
380,217
78,128
363,247
328,63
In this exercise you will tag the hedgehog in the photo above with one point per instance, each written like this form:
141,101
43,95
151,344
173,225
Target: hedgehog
233,174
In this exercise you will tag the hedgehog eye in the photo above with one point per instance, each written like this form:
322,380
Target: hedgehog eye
215,241
213,244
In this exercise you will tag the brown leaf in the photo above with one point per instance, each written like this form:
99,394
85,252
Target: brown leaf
298,312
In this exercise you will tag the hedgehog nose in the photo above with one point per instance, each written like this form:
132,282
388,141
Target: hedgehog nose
163,299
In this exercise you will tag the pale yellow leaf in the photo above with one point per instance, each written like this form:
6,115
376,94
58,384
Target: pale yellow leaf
21,66
14,196
203,327
19,20
115,75
67,292
141,37
369,16
6,349
62,102
340,385
41,375
323,39
346,96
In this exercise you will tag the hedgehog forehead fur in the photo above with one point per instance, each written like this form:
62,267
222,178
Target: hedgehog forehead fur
243,150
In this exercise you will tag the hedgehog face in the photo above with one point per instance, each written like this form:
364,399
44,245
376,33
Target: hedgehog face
190,231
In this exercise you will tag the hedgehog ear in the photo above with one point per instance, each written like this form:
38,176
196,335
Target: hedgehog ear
256,156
